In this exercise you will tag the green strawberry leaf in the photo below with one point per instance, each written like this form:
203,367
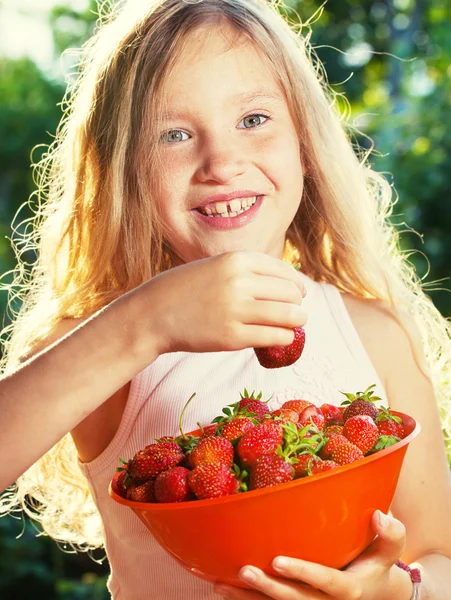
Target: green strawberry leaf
384,441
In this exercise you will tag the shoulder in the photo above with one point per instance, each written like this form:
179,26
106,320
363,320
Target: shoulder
390,335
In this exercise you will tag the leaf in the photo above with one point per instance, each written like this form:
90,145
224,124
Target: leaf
349,396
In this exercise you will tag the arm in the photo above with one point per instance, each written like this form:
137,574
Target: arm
52,392
423,498
223,303
425,476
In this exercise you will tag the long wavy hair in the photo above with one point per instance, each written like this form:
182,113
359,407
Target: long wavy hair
96,232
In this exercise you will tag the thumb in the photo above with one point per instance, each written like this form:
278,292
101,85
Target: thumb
391,539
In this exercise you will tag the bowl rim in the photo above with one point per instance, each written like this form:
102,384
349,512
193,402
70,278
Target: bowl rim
192,504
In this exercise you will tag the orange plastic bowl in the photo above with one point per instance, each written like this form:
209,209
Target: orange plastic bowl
323,518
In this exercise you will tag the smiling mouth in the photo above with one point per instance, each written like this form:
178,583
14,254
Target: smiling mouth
233,208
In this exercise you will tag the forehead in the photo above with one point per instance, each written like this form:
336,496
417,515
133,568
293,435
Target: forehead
217,60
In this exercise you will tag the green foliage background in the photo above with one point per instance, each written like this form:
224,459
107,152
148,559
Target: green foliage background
391,58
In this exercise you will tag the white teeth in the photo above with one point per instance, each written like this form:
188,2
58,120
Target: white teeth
235,205
231,209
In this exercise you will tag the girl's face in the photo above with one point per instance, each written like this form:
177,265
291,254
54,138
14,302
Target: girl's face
229,148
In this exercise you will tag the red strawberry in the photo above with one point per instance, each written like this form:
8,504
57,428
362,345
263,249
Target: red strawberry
212,449
312,414
387,427
142,493
209,430
212,481
346,453
331,444
155,458
236,428
303,464
282,356
389,424
296,405
286,414
118,483
332,414
361,403
264,438
250,404
172,486
333,430
362,431
269,470
320,466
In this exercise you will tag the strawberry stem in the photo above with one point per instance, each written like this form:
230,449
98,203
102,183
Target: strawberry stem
182,415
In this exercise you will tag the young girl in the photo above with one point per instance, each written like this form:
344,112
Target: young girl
201,155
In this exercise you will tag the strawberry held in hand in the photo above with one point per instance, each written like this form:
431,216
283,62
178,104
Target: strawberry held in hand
275,357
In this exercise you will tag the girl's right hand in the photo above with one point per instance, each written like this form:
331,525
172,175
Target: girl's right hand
227,302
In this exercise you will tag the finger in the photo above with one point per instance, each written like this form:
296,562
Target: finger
264,264
275,314
390,542
332,582
270,288
278,589
261,336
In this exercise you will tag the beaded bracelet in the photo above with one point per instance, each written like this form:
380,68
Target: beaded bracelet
415,576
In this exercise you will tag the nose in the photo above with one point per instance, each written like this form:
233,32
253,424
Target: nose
221,160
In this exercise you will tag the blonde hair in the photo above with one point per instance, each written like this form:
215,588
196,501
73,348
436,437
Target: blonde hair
97,235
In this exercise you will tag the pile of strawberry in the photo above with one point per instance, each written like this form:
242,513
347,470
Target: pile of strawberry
251,446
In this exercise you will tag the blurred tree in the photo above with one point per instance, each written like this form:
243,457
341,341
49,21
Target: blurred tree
394,57
28,115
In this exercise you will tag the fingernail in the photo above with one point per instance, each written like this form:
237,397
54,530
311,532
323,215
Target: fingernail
384,521
248,574
280,563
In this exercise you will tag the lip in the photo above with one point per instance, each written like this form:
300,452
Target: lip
228,197
226,223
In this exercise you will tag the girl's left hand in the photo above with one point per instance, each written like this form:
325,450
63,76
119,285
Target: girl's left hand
368,577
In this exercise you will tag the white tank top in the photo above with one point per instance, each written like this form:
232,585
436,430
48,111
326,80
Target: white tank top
333,359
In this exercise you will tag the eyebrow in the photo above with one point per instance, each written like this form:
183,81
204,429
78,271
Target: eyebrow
257,94
243,98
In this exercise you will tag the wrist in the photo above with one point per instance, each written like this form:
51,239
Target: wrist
139,323
414,578
400,585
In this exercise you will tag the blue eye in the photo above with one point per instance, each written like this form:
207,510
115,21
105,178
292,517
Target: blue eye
165,137
254,117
